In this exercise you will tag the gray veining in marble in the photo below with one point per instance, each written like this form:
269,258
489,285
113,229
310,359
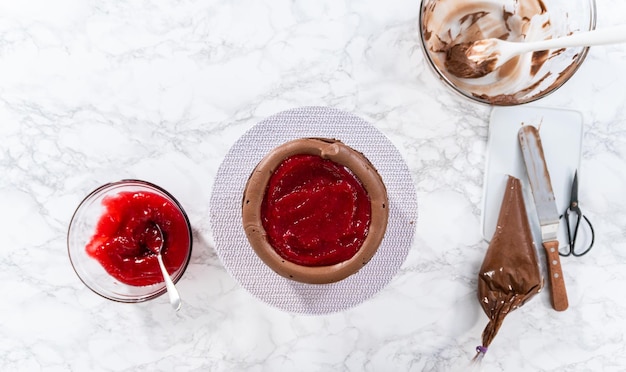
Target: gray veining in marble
92,92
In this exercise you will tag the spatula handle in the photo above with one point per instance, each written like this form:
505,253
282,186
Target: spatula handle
557,283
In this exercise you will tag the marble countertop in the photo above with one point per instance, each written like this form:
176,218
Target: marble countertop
93,92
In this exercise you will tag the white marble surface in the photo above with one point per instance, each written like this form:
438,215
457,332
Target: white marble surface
92,92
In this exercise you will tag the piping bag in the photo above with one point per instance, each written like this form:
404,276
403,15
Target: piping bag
510,273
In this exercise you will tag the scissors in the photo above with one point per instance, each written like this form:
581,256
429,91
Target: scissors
572,232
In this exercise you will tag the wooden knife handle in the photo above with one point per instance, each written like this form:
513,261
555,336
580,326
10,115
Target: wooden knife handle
557,283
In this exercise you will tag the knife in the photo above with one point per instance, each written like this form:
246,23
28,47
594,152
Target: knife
545,203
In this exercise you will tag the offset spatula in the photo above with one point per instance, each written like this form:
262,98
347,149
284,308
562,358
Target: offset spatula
545,204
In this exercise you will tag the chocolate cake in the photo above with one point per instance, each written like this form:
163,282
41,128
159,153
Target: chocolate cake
315,210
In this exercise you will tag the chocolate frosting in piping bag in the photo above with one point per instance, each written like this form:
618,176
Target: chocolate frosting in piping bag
510,273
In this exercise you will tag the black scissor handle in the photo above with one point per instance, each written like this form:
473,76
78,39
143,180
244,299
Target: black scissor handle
593,238
572,238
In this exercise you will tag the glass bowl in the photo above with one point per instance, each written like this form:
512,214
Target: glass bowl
108,225
526,78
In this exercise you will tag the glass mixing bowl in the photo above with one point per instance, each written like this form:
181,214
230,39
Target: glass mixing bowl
91,221
526,78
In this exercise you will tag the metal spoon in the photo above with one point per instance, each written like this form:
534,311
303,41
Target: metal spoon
478,58
169,284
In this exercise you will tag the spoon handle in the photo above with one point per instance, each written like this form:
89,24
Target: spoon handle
611,35
169,284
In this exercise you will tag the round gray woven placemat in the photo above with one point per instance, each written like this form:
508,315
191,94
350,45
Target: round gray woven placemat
232,245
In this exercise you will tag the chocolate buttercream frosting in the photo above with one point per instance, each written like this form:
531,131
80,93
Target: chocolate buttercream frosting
447,26
510,273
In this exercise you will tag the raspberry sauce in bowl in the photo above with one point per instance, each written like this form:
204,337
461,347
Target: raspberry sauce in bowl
109,239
